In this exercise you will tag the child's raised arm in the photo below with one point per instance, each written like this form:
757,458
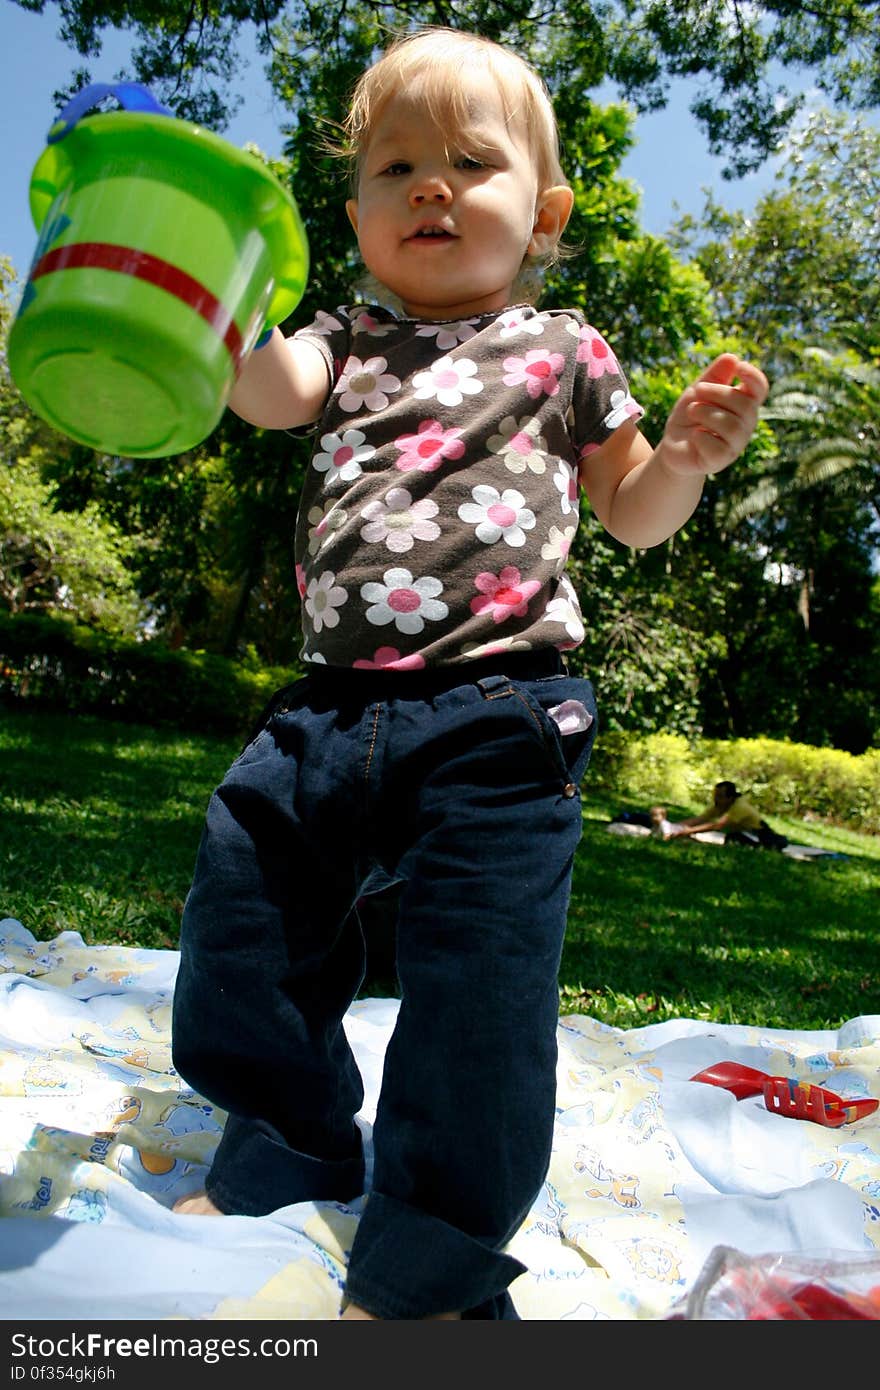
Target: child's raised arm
643,495
282,385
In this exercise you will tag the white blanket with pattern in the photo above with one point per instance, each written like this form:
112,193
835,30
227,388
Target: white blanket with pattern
650,1170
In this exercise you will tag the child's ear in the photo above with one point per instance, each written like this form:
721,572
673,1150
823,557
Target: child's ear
351,208
551,216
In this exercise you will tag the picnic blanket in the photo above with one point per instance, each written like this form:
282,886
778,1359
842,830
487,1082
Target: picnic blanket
650,1171
716,837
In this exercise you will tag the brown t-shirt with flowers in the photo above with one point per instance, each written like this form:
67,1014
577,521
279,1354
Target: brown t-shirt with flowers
441,499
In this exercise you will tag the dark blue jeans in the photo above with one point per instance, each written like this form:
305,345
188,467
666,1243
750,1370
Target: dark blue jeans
460,786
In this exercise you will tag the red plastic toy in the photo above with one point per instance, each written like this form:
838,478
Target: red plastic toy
799,1100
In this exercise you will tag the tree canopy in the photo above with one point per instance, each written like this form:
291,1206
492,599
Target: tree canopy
742,55
769,594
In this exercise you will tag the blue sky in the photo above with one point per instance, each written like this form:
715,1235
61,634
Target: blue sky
670,163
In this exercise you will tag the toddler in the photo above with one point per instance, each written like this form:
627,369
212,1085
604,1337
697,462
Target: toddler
438,741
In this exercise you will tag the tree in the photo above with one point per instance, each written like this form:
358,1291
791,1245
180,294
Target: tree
51,558
796,283
188,50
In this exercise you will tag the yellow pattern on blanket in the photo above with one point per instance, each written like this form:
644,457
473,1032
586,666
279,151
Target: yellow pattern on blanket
648,1170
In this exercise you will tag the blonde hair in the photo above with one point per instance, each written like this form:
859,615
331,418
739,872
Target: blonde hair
424,61
428,62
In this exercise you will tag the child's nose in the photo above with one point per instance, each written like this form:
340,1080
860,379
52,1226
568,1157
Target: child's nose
430,188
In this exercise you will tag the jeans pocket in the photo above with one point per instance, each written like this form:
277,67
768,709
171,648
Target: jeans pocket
563,712
289,697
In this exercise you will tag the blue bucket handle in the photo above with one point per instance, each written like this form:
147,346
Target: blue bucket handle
132,96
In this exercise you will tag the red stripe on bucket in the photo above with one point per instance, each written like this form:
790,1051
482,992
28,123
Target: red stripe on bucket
104,255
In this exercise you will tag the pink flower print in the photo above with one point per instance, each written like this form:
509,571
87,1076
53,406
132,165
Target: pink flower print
566,480
505,595
514,321
300,581
342,455
623,407
323,522
399,522
426,449
448,335
323,597
521,444
364,322
558,543
593,349
498,515
404,601
448,379
538,371
389,659
365,384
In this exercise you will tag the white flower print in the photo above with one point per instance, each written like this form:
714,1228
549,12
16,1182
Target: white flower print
399,522
563,609
342,455
495,646
404,601
514,321
566,480
325,324
323,522
498,515
622,408
448,379
558,543
323,597
365,384
521,444
448,335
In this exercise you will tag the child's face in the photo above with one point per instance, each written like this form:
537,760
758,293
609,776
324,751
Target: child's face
446,229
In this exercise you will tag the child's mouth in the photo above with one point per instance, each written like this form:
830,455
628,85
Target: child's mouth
431,234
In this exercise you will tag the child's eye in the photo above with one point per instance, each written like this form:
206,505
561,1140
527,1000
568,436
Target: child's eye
398,167
469,161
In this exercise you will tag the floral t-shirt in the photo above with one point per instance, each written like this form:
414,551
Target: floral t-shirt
441,499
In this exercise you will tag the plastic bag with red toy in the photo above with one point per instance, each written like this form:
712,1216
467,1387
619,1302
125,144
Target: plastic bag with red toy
824,1287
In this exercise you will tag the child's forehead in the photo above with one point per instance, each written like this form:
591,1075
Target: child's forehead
452,109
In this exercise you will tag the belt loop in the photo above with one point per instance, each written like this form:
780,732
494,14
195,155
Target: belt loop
495,687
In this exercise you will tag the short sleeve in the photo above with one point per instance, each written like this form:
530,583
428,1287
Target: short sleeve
601,399
331,335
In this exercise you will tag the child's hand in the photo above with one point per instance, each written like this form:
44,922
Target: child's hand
713,420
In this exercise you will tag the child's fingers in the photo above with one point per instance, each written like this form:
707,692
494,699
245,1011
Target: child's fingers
730,417
727,368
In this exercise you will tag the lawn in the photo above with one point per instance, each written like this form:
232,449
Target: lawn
100,822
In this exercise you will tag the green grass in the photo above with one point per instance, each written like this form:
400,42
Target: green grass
100,823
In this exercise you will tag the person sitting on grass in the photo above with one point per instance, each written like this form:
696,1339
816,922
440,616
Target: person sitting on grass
732,814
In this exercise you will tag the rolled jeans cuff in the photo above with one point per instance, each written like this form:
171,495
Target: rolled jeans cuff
250,1148
406,1263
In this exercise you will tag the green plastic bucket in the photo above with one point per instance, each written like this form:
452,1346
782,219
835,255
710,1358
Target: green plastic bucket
164,251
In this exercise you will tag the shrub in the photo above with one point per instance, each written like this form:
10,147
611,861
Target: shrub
792,779
52,662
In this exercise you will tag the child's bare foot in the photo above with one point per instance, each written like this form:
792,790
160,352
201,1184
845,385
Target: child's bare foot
196,1204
